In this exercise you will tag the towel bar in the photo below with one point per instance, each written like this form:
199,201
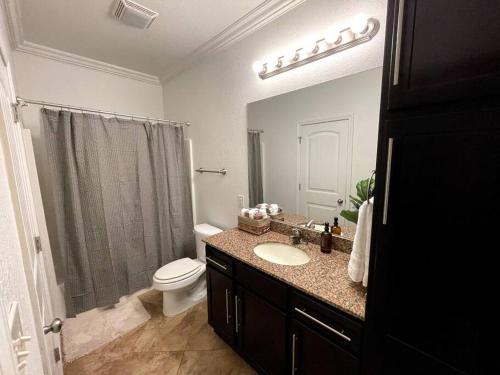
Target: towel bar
222,171
368,186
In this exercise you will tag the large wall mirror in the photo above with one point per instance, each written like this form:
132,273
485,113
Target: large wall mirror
312,149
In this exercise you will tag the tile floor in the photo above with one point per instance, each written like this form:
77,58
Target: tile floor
184,344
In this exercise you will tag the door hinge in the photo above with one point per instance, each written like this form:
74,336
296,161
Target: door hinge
15,111
38,244
300,140
300,186
57,354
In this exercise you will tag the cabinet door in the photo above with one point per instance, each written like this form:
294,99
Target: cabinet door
434,271
313,354
220,303
261,332
442,50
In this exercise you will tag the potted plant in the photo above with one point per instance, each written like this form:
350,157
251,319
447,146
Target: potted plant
363,195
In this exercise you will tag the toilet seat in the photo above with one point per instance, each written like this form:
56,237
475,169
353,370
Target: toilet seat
178,274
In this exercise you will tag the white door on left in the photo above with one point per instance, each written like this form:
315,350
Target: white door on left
28,213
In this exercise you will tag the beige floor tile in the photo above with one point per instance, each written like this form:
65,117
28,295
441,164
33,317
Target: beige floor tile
201,335
216,362
184,344
132,363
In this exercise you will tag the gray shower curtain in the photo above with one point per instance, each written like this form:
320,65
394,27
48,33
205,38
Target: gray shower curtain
122,204
254,169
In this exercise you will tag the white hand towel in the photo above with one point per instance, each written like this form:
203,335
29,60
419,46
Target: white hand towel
360,255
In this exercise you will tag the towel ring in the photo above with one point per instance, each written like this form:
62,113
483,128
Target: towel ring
368,186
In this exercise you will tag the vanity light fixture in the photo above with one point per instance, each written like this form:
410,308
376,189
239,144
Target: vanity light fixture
362,30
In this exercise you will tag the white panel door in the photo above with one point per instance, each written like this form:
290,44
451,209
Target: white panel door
46,284
324,168
33,259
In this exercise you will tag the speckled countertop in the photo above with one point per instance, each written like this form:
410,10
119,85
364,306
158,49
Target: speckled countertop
324,276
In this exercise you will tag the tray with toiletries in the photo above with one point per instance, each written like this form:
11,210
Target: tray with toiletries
258,220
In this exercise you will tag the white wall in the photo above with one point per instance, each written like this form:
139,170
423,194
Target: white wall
356,96
13,285
214,93
53,81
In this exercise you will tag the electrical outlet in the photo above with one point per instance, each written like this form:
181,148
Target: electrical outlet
241,201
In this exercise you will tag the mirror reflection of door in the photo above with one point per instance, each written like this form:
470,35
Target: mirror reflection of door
323,168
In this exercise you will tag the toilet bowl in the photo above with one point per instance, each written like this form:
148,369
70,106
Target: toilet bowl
183,281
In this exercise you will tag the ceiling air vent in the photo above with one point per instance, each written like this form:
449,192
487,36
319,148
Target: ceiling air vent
134,14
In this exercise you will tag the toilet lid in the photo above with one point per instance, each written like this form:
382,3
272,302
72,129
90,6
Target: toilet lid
177,268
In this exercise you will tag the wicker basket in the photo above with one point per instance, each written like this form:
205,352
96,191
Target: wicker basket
280,216
253,226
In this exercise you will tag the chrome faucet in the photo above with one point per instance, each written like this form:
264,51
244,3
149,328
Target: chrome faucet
296,236
310,224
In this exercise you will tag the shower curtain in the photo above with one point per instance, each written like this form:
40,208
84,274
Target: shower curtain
121,203
255,195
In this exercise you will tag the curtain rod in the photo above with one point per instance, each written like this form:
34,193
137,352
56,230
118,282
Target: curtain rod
255,130
22,102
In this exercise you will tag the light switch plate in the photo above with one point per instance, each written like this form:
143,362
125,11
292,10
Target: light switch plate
2,57
241,201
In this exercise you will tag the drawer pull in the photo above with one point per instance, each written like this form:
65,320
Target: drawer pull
294,349
217,263
387,180
397,54
347,338
227,307
237,320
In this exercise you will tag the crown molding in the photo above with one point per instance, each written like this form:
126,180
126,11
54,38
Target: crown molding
19,44
254,20
15,28
85,62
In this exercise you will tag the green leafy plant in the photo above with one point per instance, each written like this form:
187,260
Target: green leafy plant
361,190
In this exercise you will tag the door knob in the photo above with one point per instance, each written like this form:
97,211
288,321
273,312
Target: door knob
340,201
54,327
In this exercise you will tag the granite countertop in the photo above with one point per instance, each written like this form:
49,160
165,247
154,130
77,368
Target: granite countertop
324,276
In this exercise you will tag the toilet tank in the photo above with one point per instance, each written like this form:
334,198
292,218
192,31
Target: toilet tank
202,231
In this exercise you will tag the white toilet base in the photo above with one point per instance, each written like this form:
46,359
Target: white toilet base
178,301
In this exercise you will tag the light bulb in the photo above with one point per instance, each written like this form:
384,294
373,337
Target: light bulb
279,62
359,24
292,56
257,66
311,45
332,36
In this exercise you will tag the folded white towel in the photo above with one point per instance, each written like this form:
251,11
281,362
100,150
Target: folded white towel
360,255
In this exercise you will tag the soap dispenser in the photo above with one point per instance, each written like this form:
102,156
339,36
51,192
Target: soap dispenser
335,227
326,240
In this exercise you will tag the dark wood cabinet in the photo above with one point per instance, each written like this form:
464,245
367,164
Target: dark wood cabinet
314,354
261,332
266,316
220,294
442,50
438,173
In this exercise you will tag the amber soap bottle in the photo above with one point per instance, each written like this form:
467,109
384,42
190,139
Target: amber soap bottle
326,240
336,230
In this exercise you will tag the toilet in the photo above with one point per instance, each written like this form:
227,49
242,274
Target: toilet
183,281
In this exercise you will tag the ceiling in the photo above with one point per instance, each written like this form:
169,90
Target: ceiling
87,28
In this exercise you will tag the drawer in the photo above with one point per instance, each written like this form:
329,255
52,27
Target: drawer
219,260
326,320
265,286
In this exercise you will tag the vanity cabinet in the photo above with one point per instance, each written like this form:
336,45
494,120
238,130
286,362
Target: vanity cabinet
261,332
220,309
442,50
276,328
220,294
314,354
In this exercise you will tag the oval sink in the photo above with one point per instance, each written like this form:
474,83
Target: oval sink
280,253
